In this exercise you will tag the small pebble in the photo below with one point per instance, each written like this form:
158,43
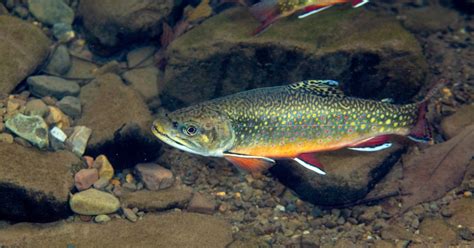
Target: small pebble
6,138
63,32
85,178
130,186
466,234
101,183
106,169
129,214
467,194
102,218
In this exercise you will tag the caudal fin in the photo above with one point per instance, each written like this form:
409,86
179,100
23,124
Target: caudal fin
421,132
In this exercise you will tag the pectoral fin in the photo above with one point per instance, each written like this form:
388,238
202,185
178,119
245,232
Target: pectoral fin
372,144
249,163
308,161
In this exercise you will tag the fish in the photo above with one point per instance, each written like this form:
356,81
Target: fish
269,11
252,129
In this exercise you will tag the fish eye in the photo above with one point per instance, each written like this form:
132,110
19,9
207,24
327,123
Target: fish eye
190,130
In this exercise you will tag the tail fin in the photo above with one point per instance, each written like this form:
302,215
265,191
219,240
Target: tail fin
421,132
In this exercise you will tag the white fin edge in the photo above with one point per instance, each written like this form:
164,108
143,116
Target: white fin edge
372,149
360,4
313,12
310,167
249,156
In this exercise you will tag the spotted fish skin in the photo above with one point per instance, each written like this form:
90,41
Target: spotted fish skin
285,121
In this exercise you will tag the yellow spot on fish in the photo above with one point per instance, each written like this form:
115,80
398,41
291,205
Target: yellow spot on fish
283,122
372,120
382,116
362,126
388,121
382,129
395,124
353,124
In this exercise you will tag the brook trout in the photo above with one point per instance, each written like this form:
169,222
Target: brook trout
253,128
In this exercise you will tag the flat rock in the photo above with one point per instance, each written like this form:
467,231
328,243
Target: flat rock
60,61
145,81
51,11
429,19
201,204
155,230
371,56
23,47
70,105
454,124
438,231
120,121
463,213
154,177
177,196
52,86
32,128
350,175
34,185
114,22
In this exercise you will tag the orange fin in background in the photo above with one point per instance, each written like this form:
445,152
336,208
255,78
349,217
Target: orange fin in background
308,161
266,12
372,144
249,163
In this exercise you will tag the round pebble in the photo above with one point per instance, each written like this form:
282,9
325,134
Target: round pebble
93,202
102,218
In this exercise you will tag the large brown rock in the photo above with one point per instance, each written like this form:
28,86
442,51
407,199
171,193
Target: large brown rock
165,230
454,124
23,47
34,185
177,196
115,22
350,175
371,56
120,122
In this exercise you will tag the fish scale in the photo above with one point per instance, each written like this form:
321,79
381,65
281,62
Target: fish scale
277,116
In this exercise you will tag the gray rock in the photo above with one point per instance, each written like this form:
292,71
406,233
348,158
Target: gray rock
144,80
60,62
113,22
381,60
129,214
175,197
32,128
154,176
21,12
93,202
78,139
51,11
63,32
52,86
101,183
34,184
21,52
70,105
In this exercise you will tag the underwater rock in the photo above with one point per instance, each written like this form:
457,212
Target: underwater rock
70,105
154,176
200,204
155,230
6,138
41,86
51,11
371,56
454,124
177,196
106,170
63,32
463,213
350,175
78,139
93,202
32,128
141,56
36,107
121,122
129,214
430,19
116,22
22,48
85,178
57,117
60,62
145,81
3,10
438,231
34,185
102,218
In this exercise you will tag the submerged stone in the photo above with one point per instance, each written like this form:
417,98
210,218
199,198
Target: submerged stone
93,202
51,11
78,139
52,86
60,62
70,105
32,128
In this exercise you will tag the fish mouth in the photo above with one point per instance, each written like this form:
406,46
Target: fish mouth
171,141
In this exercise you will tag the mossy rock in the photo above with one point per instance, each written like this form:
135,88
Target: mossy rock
371,55
23,47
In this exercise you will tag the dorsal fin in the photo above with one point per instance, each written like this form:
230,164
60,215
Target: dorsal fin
323,88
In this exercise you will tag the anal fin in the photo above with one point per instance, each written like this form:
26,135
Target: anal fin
308,161
313,9
249,163
372,144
